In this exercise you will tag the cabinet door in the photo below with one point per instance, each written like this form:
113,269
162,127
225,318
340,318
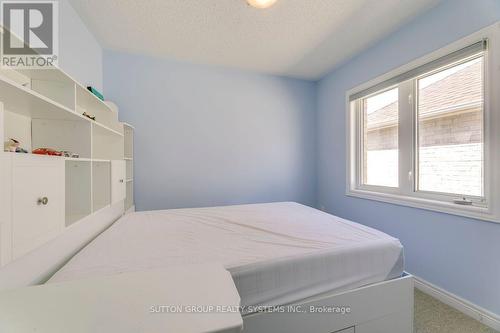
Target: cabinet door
118,186
5,208
37,201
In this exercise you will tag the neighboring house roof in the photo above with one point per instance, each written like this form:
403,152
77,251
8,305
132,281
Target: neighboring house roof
459,91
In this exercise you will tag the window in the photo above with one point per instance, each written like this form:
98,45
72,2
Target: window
423,135
450,130
380,139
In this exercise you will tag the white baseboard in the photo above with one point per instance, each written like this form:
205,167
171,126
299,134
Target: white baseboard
482,315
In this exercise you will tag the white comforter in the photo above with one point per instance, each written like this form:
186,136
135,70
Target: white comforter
277,253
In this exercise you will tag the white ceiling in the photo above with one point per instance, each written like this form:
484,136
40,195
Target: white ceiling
297,38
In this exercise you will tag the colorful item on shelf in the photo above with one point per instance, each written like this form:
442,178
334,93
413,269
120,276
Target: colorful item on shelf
96,93
47,151
85,114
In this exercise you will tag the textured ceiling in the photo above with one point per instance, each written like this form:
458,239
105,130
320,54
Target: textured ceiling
297,38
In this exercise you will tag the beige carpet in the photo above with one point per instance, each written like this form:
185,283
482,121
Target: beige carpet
432,316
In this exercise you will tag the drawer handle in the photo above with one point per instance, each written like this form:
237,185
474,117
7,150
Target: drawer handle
121,180
43,201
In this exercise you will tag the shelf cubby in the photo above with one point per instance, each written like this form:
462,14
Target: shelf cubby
129,167
15,76
53,84
92,105
18,127
62,135
106,145
128,132
101,184
78,190
129,199
27,102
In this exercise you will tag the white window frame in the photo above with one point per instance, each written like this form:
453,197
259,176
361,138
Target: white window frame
406,194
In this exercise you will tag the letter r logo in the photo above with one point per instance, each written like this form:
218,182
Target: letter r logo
30,27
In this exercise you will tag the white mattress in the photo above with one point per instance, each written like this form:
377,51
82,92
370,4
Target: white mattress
277,253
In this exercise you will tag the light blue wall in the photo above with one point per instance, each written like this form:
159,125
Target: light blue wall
210,136
458,254
80,55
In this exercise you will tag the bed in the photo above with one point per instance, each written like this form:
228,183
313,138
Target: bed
277,253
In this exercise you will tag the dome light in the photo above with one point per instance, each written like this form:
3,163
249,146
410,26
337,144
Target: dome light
261,4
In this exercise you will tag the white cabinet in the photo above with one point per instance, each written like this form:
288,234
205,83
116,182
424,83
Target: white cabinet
118,186
5,209
38,201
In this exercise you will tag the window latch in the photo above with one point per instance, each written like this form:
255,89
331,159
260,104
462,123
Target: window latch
463,201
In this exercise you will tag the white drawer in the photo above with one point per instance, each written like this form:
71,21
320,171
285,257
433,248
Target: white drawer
118,185
37,201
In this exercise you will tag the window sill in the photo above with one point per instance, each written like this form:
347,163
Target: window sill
475,212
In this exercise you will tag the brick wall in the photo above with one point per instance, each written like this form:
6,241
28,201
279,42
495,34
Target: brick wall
452,169
462,128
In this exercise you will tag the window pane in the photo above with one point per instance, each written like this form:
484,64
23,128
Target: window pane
380,139
450,130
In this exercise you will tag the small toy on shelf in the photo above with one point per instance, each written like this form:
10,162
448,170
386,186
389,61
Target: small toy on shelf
70,154
21,150
13,146
85,114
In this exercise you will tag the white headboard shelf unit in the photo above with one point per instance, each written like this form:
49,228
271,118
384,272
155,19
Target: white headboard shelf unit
43,108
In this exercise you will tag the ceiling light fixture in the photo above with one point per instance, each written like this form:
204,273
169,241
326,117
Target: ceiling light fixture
261,4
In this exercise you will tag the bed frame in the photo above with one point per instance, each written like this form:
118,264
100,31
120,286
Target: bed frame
40,264
384,307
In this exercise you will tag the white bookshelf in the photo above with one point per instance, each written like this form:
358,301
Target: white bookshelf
43,109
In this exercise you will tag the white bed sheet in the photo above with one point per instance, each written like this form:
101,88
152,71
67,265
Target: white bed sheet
277,253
